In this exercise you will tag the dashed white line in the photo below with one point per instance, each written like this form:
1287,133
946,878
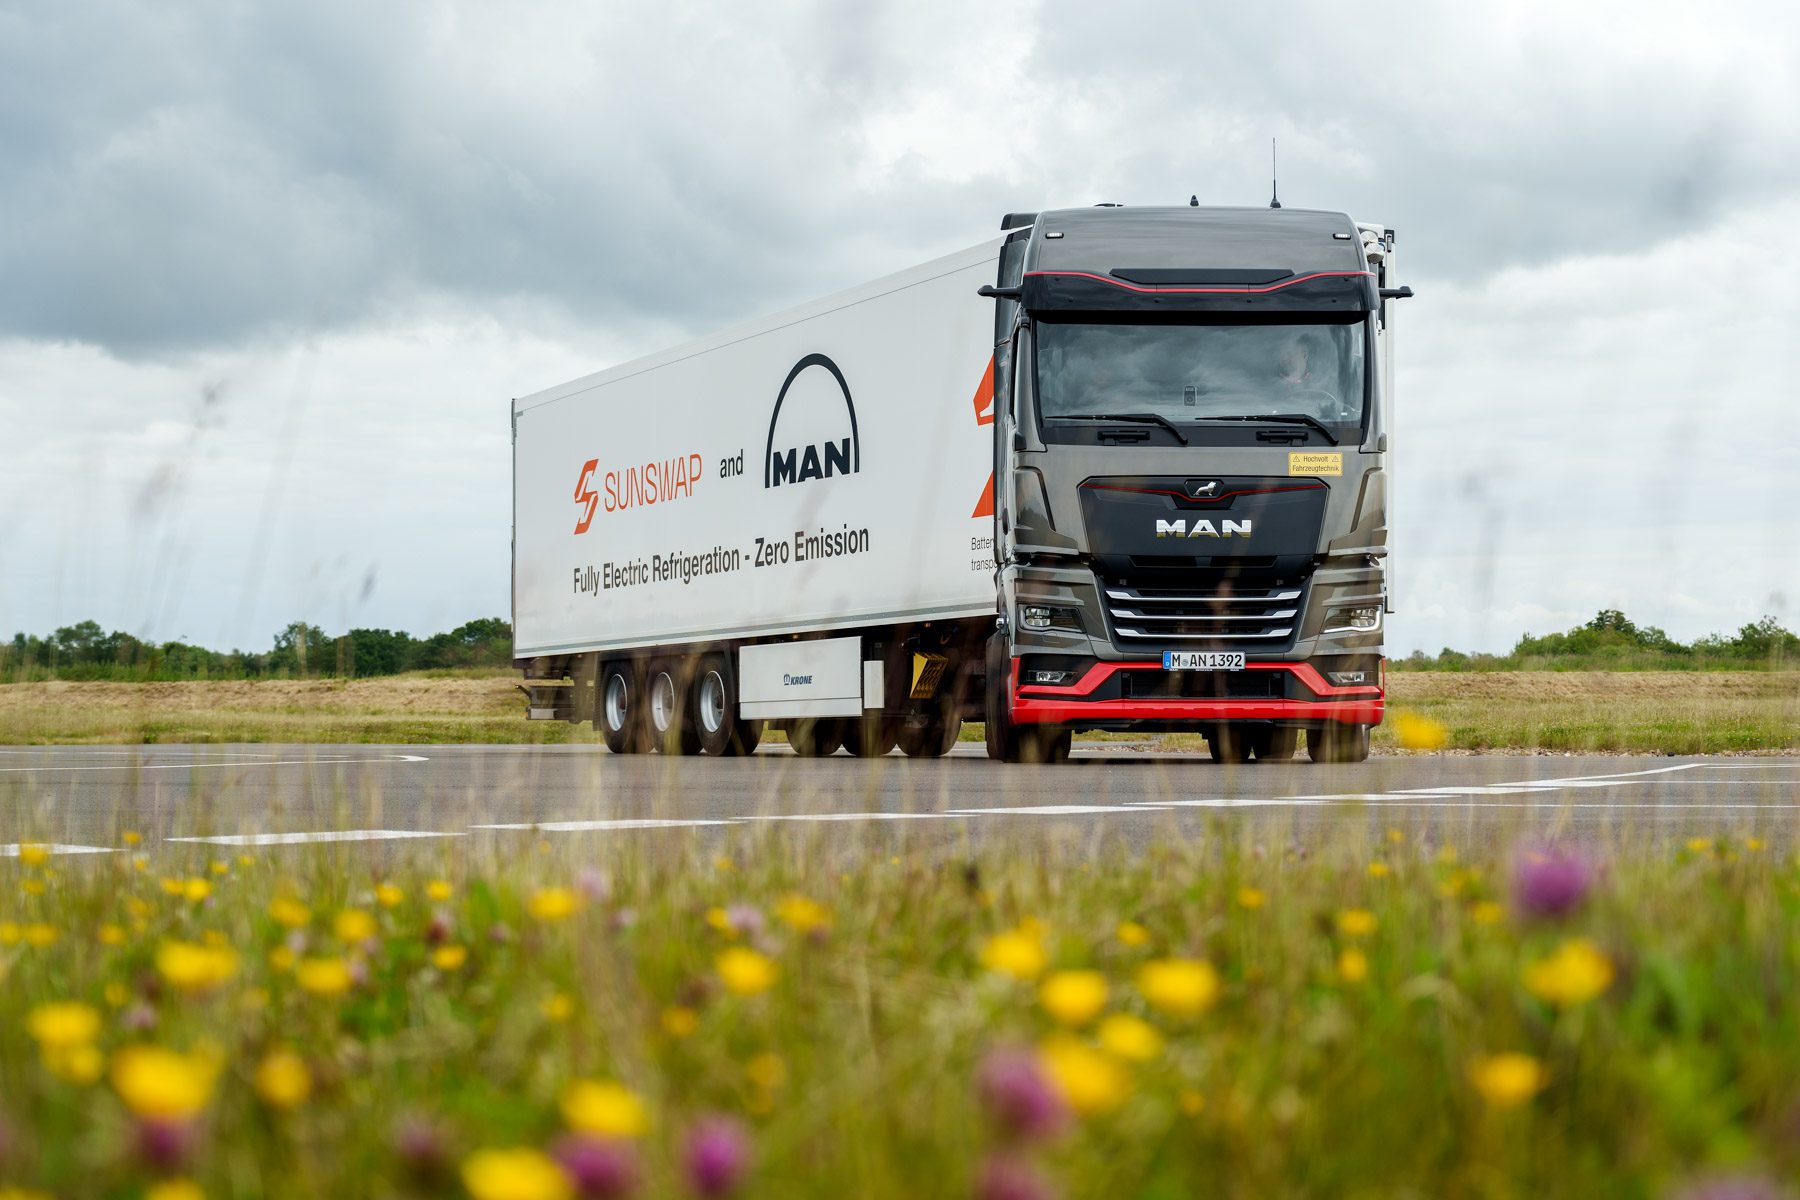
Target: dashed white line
12,851
586,826
188,766
1052,810
295,839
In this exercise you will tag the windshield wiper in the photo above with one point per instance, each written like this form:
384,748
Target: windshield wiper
1140,418
1284,419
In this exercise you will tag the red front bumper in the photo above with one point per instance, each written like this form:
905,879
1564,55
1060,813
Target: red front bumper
1038,705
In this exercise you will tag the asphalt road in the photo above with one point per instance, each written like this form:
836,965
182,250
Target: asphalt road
86,797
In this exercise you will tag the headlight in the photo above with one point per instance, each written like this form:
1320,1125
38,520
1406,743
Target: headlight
1049,678
1361,619
1346,678
1039,616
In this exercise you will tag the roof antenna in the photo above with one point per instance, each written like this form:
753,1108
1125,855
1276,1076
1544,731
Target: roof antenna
1274,198
1194,201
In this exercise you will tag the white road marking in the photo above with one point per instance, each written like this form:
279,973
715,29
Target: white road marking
1222,802
855,816
295,839
585,826
1546,784
188,766
1054,810
12,851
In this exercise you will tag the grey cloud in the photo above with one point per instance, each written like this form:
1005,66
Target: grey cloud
192,176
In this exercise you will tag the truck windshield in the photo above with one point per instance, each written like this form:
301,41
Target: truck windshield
1193,372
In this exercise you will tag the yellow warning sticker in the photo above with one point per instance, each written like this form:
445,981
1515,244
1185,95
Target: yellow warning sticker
1315,462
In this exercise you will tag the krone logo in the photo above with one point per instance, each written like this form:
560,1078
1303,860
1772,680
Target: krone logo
812,432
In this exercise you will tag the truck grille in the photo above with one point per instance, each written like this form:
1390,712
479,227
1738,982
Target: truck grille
1229,614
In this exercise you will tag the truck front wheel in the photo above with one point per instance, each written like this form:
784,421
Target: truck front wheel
621,715
1335,743
932,734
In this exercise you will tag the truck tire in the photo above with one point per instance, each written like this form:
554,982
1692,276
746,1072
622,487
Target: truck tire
1002,734
872,737
671,716
816,737
621,709
931,735
1335,743
1273,744
723,733
1228,742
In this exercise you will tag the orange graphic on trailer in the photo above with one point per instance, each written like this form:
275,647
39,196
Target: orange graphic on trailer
984,415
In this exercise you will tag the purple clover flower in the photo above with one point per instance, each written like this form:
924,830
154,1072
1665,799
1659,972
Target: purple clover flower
716,1155
1551,883
600,1168
1020,1098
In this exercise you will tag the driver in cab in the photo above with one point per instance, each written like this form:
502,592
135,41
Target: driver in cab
1290,364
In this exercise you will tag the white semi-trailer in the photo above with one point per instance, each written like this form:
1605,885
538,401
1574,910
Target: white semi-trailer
1117,469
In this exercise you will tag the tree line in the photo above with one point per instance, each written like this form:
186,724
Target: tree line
1612,641
86,651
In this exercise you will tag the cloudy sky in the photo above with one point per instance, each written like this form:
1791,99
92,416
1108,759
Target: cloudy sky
270,272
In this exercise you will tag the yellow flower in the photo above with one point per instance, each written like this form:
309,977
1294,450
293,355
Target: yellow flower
1486,913
1353,965
289,914
1420,733
680,1021
1753,843
517,1174
219,868
389,895
1508,1080
80,1065
1192,1102
254,999
154,1082
323,976
1074,997
34,887
281,959
1395,836
59,1026
745,971
10,933
34,854
353,925
172,887
282,1080
803,915
174,1189
438,890
215,938
193,969
1017,952
1090,1081
1700,845
766,1071
244,860
722,863
138,907
553,904
196,889
1130,1037
112,935
1249,897
1178,986
39,935
1575,974
1378,870
604,1108
449,958
1357,922
719,921
132,838
1133,934
117,994
557,1007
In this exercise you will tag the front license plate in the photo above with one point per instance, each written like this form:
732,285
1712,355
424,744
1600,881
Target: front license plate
1203,660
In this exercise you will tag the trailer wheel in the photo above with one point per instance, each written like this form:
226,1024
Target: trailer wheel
621,715
1228,742
723,733
872,737
816,737
932,734
1335,743
671,716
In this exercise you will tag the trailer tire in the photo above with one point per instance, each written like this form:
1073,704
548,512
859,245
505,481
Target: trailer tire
1335,743
671,716
816,737
621,709
872,737
1228,742
723,733
932,735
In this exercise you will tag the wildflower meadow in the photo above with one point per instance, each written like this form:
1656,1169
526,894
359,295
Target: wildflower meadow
1233,1013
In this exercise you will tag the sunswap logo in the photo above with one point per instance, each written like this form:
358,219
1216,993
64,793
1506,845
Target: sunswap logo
634,486
812,432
